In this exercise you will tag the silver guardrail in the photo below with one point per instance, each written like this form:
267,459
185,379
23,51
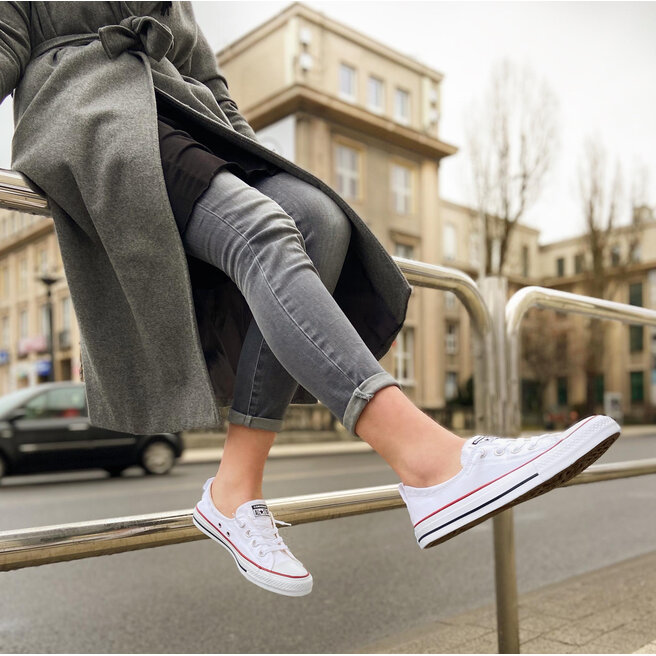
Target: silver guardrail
61,542
16,194
495,329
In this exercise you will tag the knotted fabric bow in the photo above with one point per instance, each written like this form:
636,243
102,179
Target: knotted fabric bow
141,32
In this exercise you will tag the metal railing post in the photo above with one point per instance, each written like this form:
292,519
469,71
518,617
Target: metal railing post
495,293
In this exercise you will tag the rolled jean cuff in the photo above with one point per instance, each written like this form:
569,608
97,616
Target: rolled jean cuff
263,423
362,394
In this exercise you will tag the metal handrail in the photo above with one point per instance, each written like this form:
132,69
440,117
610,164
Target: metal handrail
555,299
16,194
48,544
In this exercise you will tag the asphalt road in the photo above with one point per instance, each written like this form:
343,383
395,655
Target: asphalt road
371,580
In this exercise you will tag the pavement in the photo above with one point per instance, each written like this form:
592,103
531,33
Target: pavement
611,610
207,447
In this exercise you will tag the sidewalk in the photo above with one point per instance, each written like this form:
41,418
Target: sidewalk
208,447
609,610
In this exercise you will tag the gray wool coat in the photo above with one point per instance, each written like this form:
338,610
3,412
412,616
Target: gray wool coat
160,330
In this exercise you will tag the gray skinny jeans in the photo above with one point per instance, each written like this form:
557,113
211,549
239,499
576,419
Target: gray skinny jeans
283,242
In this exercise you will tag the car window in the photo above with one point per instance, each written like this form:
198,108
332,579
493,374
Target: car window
60,402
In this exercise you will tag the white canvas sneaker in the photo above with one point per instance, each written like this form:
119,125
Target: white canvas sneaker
252,539
498,473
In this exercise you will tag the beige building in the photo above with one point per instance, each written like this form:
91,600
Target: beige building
365,119
629,360
28,253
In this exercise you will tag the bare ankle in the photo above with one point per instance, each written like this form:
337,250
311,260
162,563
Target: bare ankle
434,469
227,499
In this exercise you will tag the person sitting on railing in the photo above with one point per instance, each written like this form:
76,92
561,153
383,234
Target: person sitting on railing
169,211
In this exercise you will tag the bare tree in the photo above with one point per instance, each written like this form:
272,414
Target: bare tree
512,138
607,265
549,349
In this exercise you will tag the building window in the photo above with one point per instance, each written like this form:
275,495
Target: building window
578,263
376,95
449,241
4,335
636,253
347,82
22,274
43,261
22,324
66,313
636,339
599,388
348,171
5,280
560,267
451,385
525,261
401,188
450,300
404,250
402,106
635,293
404,361
475,248
561,388
615,253
637,387
451,338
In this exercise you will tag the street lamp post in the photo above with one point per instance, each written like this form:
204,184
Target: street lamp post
48,281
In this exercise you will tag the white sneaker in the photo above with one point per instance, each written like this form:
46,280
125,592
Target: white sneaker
252,539
498,473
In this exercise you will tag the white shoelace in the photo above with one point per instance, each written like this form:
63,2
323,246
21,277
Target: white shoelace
516,444
268,535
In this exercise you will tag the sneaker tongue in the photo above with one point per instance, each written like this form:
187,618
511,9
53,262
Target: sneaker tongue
256,509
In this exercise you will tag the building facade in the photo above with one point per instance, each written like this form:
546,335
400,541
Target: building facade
29,255
365,119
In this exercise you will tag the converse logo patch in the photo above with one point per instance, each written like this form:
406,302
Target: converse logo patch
260,509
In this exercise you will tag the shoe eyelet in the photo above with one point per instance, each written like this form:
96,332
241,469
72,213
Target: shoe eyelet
497,452
260,554
219,524
483,453
248,532
227,532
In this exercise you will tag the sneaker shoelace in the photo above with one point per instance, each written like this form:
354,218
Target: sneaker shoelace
516,444
266,533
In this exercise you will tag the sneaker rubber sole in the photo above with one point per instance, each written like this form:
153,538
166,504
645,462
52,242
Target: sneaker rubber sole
260,577
478,515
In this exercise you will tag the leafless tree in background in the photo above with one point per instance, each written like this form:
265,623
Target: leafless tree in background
549,349
512,138
610,249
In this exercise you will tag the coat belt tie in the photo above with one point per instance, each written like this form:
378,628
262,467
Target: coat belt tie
134,32
141,32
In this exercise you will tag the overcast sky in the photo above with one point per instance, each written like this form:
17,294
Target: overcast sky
599,58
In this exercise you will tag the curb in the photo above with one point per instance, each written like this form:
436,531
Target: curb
197,456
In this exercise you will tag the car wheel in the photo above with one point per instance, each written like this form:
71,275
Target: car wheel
158,457
114,472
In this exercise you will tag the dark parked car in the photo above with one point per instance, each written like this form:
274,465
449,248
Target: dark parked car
46,428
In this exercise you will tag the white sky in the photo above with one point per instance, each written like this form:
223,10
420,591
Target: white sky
599,58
